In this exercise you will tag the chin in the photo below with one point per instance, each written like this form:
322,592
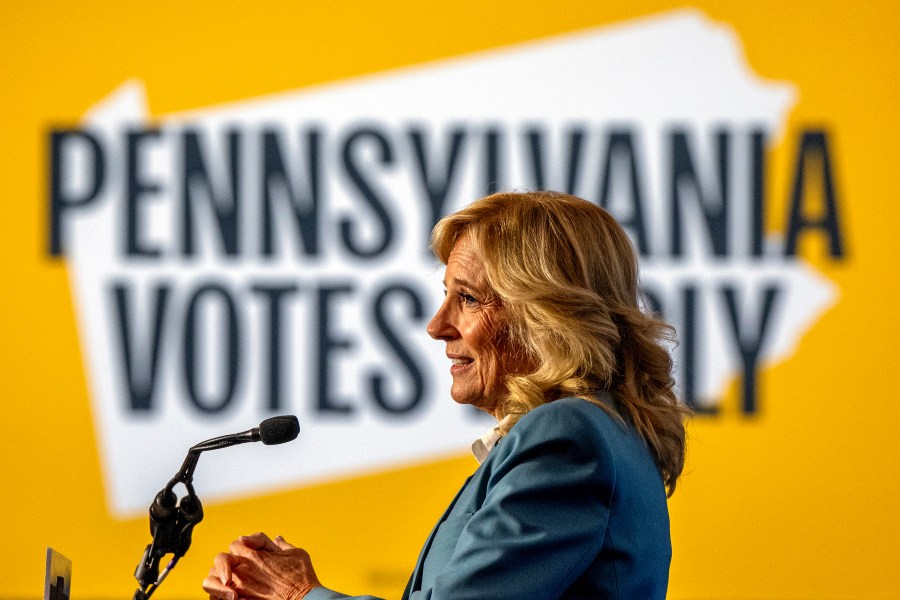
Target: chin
479,403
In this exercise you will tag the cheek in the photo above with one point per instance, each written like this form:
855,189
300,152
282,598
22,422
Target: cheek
492,355
486,340
492,369
507,358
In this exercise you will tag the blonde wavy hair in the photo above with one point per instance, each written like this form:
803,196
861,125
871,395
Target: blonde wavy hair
566,275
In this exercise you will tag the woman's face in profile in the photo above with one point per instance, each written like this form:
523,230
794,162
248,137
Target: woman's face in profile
471,322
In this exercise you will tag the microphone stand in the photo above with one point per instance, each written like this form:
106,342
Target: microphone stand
172,520
172,525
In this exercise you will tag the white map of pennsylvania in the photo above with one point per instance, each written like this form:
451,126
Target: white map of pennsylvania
678,70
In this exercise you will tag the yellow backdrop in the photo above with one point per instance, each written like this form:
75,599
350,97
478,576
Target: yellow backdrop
797,501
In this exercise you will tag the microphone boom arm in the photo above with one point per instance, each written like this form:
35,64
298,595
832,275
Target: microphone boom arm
185,474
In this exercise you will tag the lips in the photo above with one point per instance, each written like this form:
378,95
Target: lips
459,362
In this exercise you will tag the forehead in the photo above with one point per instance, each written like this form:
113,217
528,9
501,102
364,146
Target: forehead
465,263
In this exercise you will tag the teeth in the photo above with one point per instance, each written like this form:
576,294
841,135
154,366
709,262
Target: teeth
460,361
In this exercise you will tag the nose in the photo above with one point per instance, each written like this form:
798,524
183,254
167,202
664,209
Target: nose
440,326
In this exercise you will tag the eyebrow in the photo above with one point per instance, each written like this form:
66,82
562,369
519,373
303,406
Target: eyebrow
464,283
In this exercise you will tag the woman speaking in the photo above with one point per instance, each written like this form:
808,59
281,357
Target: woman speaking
543,330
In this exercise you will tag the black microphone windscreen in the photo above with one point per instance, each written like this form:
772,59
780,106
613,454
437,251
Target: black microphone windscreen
279,430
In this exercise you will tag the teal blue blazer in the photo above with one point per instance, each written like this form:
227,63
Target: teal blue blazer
570,504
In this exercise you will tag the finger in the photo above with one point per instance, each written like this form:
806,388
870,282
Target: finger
223,566
257,541
283,544
241,550
213,586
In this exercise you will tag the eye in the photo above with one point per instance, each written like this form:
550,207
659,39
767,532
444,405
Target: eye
468,299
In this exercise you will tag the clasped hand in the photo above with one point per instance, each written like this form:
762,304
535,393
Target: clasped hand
256,567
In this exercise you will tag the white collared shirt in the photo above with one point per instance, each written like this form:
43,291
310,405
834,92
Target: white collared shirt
483,445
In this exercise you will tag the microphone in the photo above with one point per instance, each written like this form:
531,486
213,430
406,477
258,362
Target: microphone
172,521
275,430
278,430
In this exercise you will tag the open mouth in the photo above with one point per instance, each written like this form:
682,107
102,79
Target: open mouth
458,363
